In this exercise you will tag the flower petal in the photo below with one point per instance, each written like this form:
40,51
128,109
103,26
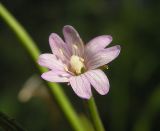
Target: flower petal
58,47
97,43
50,61
98,80
54,76
103,57
73,40
81,86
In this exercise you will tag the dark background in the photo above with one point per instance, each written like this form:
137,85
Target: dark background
133,103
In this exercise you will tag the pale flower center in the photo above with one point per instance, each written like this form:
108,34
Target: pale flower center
76,64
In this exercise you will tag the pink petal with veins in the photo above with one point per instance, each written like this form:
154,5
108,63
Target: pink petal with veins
81,86
59,48
96,44
98,80
73,39
50,61
103,57
54,76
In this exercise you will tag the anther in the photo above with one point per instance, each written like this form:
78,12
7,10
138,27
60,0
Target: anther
75,47
66,68
60,50
81,59
107,67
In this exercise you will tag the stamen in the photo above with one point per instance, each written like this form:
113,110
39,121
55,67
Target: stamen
66,68
107,67
75,49
61,52
75,46
68,84
81,59
65,78
76,64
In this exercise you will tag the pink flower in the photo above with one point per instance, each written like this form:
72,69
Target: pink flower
78,64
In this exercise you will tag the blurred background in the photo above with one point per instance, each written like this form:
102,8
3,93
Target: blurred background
133,103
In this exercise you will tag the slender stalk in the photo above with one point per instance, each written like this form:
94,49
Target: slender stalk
95,115
33,50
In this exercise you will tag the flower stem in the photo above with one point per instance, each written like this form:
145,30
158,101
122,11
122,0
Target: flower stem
33,50
95,115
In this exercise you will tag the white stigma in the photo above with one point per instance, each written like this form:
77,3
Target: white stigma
76,64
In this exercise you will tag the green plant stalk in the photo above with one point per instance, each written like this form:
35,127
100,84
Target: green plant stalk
95,115
33,50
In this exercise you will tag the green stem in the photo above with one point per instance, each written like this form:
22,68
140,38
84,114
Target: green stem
95,115
33,50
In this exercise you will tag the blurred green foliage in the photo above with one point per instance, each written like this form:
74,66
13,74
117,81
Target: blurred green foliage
133,103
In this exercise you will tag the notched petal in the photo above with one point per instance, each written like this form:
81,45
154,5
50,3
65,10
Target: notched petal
58,47
98,43
103,57
73,40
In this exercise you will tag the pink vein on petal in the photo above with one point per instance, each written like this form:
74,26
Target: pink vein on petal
96,44
81,86
98,80
73,39
103,57
50,61
58,47
54,77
